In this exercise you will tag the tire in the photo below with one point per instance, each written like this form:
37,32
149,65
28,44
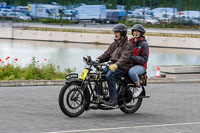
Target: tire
135,103
93,21
107,21
71,98
149,24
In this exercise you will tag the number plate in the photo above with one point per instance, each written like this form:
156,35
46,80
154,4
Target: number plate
83,74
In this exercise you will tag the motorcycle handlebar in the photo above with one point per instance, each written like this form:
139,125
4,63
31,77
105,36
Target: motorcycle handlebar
96,63
88,60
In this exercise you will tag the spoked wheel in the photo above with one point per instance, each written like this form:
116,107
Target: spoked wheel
71,100
74,98
127,103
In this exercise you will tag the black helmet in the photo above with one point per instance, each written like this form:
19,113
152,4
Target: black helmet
120,28
138,27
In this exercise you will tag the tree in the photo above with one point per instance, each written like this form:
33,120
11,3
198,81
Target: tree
111,4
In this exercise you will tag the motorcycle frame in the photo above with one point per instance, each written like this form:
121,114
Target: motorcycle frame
122,85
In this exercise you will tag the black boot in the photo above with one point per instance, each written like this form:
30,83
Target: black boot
111,103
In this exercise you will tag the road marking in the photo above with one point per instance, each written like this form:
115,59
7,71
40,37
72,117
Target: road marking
119,128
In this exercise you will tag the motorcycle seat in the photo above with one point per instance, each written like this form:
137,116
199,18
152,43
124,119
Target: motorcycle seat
143,78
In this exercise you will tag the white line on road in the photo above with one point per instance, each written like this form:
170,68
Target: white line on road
119,128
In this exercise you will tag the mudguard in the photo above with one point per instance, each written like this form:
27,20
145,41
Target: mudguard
71,77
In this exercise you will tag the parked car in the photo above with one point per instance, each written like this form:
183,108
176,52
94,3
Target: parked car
196,22
93,13
4,12
111,17
18,15
135,14
166,18
121,14
148,20
158,12
26,12
68,14
185,21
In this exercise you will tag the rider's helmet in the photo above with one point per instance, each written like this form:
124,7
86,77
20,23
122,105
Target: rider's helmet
120,28
138,27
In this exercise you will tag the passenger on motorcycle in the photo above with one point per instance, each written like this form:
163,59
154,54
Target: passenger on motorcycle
119,53
140,56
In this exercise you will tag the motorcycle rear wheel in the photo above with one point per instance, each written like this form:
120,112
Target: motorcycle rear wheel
71,100
130,106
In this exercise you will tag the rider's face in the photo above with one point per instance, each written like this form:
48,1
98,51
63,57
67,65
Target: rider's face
117,35
136,33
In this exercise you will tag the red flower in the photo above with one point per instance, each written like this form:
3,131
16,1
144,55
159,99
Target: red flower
45,59
22,74
7,67
0,60
3,69
7,58
16,59
8,64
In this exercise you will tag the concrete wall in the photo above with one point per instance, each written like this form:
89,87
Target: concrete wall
174,42
6,33
156,41
63,36
191,72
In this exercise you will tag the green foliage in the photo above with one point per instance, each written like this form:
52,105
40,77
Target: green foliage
111,4
48,20
56,21
68,70
32,71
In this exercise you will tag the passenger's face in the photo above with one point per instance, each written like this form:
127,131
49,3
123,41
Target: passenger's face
117,35
136,33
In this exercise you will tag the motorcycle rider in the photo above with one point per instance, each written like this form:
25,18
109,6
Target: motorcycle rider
119,53
140,56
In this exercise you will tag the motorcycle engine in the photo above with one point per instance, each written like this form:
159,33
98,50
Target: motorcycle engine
101,88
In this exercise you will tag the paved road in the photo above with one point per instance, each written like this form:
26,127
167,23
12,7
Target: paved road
172,108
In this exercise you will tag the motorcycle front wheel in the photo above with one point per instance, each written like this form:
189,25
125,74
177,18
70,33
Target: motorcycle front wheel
71,100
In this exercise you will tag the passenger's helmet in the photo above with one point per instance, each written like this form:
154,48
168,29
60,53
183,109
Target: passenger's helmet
138,27
120,28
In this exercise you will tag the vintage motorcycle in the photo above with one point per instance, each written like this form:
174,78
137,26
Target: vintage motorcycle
85,92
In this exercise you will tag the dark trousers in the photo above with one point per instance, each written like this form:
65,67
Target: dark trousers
112,78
